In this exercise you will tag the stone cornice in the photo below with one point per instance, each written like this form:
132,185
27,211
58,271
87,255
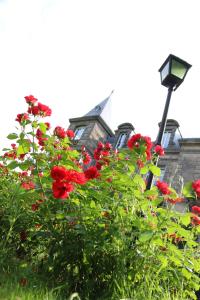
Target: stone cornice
94,118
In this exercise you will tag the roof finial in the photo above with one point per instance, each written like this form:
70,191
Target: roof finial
111,94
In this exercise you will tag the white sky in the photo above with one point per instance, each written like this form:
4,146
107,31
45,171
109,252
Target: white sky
70,54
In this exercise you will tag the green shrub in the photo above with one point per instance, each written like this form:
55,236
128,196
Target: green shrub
96,230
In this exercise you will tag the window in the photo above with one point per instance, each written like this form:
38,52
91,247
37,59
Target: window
177,137
78,132
165,139
121,140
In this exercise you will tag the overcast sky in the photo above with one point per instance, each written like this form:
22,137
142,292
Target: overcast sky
71,54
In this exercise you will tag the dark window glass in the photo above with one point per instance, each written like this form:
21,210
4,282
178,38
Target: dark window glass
78,132
121,140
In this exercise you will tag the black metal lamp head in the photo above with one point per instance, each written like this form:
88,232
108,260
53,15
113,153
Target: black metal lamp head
173,71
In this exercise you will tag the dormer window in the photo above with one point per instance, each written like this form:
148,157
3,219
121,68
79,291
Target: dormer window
78,132
177,137
165,139
121,141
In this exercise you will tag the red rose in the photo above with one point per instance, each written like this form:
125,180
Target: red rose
98,165
75,176
195,220
70,133
148,154
24,174
97,154
58,173
23,236
61,190
11,154
100,146
92,173
30,99
22,117
108,146
163,187
60,132
28,185
13,146
44,110
196,209
147,139
86,158
47,125
34,110
105,153
196,187
159,150
21,156
133,140
40,109
140,163
34,206
39,133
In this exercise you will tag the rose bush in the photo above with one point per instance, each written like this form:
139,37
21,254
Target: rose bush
93,228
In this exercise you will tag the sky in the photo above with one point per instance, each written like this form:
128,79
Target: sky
70,54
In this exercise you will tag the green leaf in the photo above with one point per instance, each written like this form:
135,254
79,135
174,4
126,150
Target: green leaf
76,201
186,273
155,170
175,260
187,190
60,215
23,148
92,204
20,150
185,219
24,166
43,127
34,124
138,180
163,260
144,170
13,165
145,236
12,136
22,135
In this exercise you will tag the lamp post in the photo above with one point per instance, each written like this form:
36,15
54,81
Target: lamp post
172,74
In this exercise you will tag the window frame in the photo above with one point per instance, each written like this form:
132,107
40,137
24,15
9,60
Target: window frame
120,143
77,135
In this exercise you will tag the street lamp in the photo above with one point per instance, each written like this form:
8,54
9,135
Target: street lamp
172,73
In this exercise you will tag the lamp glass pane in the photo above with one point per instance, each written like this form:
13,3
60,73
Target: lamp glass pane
178,69
165,71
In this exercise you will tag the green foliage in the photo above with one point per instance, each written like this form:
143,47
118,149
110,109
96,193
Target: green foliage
187,190
12,136
109,239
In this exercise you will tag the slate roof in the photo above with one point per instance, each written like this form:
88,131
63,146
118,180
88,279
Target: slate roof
102,109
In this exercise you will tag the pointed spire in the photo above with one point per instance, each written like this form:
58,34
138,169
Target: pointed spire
102,109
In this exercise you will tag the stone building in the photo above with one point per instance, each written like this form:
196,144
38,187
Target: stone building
94,127
181,162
